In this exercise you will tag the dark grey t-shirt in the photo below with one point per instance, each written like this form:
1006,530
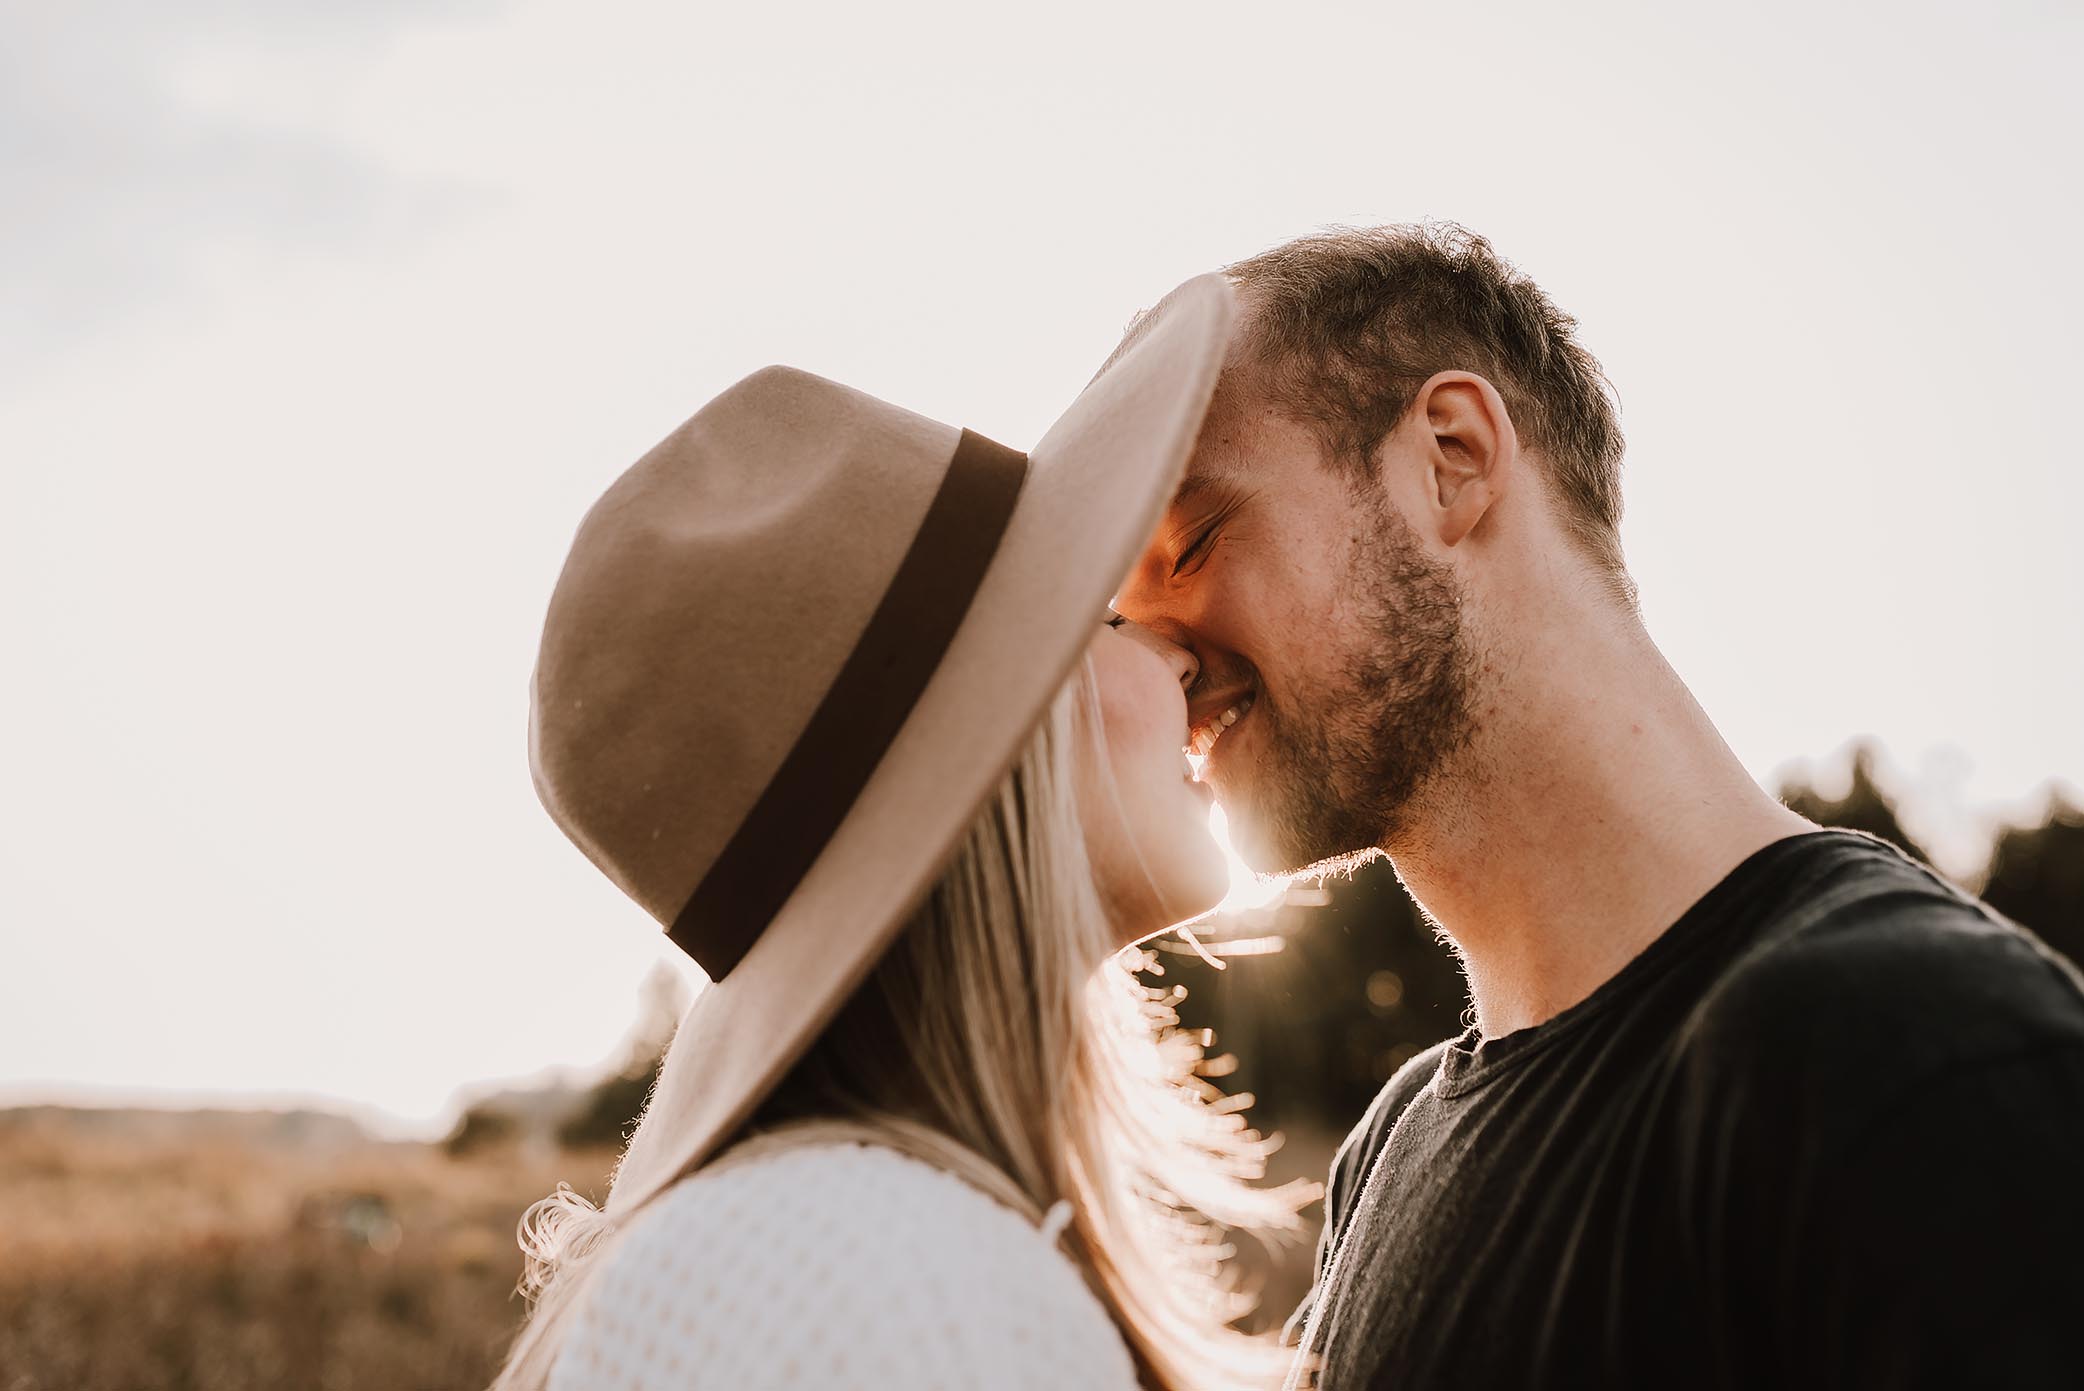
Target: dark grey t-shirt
1827,1131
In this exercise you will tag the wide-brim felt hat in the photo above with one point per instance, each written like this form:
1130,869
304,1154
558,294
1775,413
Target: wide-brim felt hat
793,650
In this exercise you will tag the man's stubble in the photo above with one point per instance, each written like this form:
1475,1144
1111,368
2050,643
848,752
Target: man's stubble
1349,760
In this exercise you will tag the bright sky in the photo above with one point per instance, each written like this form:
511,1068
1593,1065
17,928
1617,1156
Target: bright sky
320,326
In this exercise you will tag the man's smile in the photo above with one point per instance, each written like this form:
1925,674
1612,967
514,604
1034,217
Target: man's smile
1217,721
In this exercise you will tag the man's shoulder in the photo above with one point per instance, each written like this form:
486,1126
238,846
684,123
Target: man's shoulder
1357,1152
1873,968
1354,1162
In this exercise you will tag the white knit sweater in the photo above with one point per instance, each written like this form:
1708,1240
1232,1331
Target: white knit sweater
836,1266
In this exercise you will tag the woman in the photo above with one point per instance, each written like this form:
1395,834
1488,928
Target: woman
825,686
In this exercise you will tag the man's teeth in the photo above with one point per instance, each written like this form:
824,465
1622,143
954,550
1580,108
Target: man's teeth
1205,734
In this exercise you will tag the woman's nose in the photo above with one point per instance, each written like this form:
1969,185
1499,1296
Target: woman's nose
1185,666
1185,663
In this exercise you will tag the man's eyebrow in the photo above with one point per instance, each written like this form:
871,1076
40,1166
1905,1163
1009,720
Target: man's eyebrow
1212,497
1200,485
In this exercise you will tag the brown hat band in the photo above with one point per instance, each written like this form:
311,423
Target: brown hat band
867,704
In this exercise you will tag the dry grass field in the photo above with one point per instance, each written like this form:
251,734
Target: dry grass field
197,1258
214,1252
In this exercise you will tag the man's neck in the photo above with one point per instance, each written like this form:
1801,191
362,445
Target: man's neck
1595,806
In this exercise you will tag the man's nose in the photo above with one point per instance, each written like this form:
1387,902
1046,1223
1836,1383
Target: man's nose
1142,596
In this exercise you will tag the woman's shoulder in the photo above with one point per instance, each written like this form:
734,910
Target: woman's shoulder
838,1264
829,1203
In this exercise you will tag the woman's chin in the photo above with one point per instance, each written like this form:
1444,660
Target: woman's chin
1180,878
1216,890
1184,904
1213,869
1199,892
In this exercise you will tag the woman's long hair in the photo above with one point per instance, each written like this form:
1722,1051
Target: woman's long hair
987,1042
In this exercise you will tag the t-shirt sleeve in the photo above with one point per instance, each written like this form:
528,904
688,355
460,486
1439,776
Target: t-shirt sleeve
1948,1243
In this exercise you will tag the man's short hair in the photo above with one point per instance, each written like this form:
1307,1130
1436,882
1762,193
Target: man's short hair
1347,324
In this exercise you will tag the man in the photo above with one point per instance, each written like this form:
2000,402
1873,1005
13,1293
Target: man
1745,1103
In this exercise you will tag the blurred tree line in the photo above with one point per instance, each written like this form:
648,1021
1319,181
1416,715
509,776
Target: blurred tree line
2035,874
600,1116
1332,990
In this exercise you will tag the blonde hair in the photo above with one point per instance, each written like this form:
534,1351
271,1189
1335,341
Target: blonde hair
988,1004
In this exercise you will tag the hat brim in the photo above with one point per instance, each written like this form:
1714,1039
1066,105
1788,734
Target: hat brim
1098,483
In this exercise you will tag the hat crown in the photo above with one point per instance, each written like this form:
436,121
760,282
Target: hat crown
724,584
710,598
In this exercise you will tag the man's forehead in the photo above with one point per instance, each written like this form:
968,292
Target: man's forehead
1223,449
1231,429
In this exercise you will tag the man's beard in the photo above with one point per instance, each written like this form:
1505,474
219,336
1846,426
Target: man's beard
1349,757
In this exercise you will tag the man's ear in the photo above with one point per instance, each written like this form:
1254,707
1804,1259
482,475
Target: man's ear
1469,449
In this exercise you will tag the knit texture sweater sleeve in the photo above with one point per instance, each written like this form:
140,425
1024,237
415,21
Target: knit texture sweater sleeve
837,1266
